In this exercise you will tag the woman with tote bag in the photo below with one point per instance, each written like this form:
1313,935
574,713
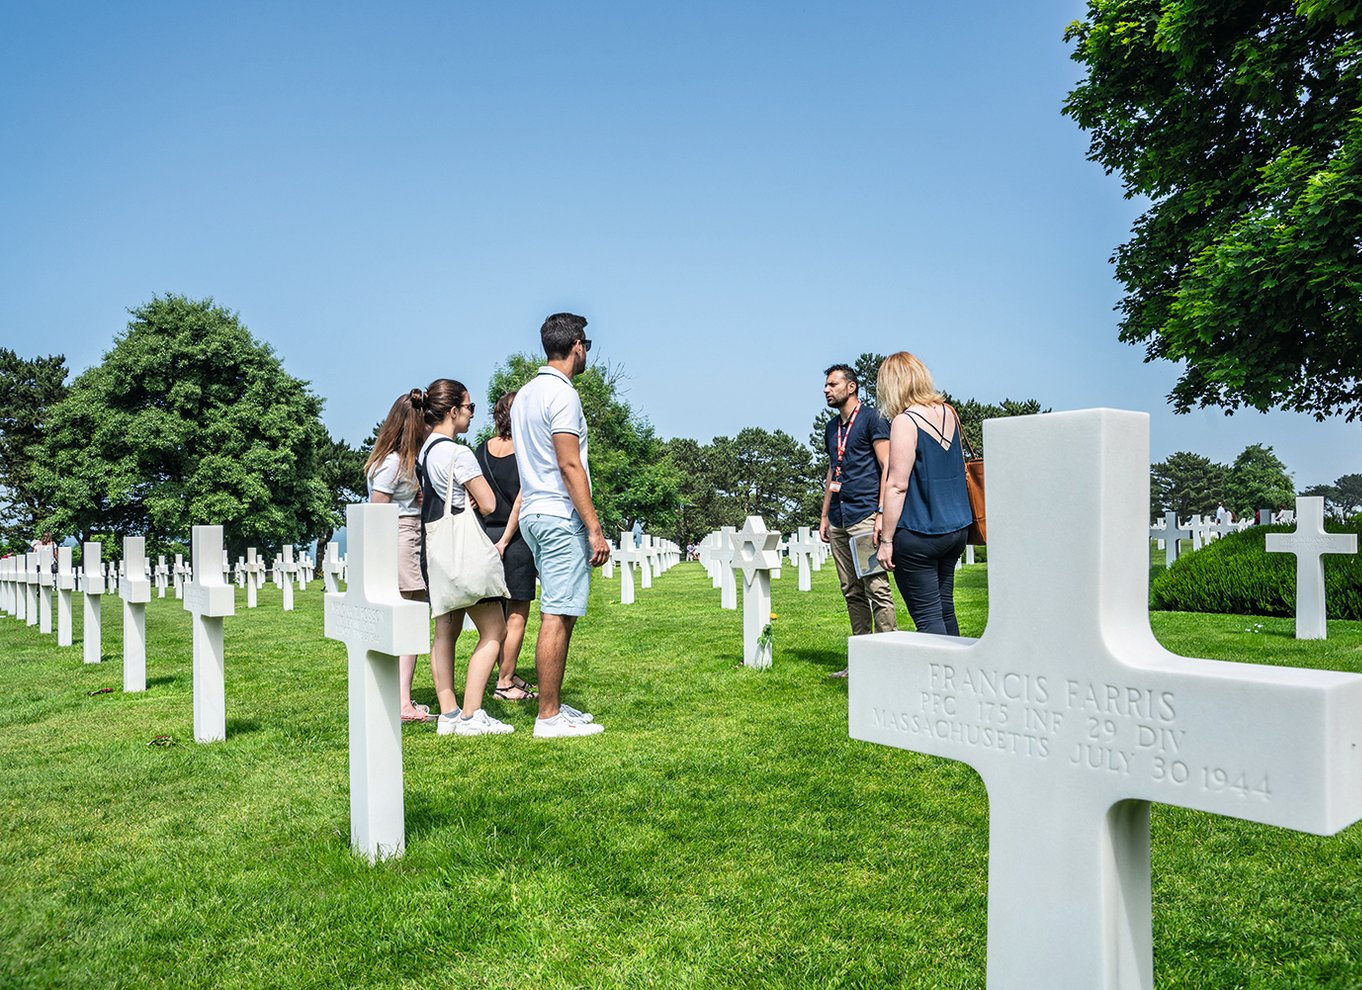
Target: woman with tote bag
458,560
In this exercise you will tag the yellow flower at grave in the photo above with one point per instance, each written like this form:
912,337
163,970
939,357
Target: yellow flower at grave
774,616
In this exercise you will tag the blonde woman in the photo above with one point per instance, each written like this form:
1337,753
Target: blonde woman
926,507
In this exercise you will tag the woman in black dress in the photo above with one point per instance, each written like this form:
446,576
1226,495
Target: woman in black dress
497,457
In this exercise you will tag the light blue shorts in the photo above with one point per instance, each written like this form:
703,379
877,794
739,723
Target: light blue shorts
562,555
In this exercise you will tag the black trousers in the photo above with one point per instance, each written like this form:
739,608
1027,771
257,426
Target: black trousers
924,570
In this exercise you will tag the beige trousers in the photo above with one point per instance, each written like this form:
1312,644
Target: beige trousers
870,602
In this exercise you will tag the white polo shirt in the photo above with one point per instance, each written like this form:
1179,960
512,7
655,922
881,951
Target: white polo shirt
546,405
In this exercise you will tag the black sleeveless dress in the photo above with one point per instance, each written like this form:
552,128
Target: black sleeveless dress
503,476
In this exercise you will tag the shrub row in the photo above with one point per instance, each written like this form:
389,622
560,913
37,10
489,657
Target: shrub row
1237,575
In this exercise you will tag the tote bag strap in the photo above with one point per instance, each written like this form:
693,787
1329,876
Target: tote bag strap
482,455
964,440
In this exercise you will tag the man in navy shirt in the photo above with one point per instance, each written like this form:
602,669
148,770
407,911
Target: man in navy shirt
857,440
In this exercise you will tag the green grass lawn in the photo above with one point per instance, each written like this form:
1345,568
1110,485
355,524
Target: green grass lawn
723,832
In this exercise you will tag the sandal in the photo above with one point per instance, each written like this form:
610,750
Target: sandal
417,714
504,693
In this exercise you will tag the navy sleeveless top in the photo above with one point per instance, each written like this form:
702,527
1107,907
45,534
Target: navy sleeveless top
937,501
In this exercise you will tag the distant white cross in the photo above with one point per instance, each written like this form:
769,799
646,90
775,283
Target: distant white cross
1309,543
723,553
66,584
1170,533
286,570
1076,718
92,588
377,625
136,594
45,584
209,599
31,588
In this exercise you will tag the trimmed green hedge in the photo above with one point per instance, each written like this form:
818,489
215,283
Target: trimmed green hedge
1237,575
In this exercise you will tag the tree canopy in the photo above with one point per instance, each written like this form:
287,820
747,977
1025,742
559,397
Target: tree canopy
187,420
1241,122
1187,483
28,390
1258,480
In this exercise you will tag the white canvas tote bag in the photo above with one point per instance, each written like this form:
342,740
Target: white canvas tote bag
462,564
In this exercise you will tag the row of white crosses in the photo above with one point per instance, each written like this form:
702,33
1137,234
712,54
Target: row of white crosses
1076,718
649,556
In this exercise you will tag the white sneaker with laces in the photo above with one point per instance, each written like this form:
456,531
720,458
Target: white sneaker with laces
576,714
444,725
563,727
481,724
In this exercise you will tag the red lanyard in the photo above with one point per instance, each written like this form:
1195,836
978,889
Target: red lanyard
842,441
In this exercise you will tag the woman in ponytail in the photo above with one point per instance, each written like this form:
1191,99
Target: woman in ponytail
391,474
448,470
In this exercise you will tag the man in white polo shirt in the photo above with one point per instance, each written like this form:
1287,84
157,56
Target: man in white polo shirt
556,514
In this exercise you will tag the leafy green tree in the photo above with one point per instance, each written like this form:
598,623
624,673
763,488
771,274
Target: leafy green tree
342,472
29,388
1187,483
1241,122
187,420
1349,499
1258,480
631,479
1343,498
756,472
973,413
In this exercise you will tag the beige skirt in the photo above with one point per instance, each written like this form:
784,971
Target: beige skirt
409,554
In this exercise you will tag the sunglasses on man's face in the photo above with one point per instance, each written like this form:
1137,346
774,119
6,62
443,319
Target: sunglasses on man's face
586,343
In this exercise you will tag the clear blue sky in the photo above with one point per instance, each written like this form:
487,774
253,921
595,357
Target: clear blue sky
735,194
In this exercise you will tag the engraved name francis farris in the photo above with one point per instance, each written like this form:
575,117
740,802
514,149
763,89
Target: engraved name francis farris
1090,726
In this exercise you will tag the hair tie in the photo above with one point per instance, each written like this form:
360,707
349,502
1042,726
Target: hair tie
417,398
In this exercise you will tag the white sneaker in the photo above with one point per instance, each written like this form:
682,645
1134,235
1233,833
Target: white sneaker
444,725
576,714
481,724
562,727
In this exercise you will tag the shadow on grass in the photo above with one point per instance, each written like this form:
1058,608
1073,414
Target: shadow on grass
832,659
242,726
160,681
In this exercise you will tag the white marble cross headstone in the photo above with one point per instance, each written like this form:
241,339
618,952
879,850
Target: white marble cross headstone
136,594
92,586
331,568
285,571
755,553
646,562
66,584
255,576
628,555
377,625
177,574
1076,718
608,568
1170,533
1309,543
45,583
804,548
728,585
31,588
161,576
209,599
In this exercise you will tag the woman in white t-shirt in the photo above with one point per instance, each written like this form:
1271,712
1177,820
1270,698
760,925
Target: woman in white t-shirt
391,474
449,468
